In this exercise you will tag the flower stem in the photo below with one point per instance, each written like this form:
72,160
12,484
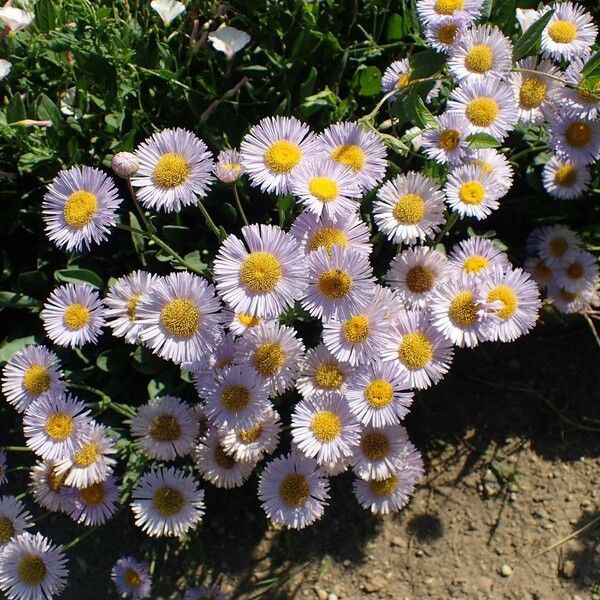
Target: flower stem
238,203
209,222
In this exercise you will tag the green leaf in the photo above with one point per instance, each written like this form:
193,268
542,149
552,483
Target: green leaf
369,81
16,110
195,260
591,67
417,112
34,283
17,300
425,64
8,350
528,43
79,276
395,28
308,86
482,140
45,15
395,144
48,111
111,361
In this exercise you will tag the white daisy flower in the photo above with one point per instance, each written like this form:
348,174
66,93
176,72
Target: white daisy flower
94,504
14,519
122,301
482,52
564,180
570,33
415,273
168,10
579,274
526,17
325,188
409,208
398,77
236,398
347,231
228,167
575,139
32,568
444,33
212,365
239,323
167,502
324,428
54,428
336,468
558,245
583,98
272,351
430,11
228,40
48,486
219,467
175,169
378,394
31,373
417,349
488,105
15,18
293,491
490,161
358,149
272,150
539,271
476,256
447,142
573,302
471,192
79,208
204,593
179,317
263,274
321,373
132,578
390,300
73,315
92,462
3,467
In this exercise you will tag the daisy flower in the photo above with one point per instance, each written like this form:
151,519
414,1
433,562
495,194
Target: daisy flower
210,366
31,373
132,578
558,245
573,302
526,17
579,274
3,467
122,301
16,19
167,502
79,208
14,519
417,349
204,593
273,150
239,323
564,180
447,142
321,373
325,188
583,98
444,33
416,272
94,504
92,462
165,428
358,149
390,300
125,164
488,105
228,168
482,52
378,395
48,486
471,192
175,169
409,208
73,315
219,467
539,271
272,351
324,428
570,33
236,398
431,11
32,568
491,162
575,139
263,274
293,491
346,231
179,317
476,256
55,427
398,77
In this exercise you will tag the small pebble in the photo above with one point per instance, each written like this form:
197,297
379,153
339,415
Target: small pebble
505,571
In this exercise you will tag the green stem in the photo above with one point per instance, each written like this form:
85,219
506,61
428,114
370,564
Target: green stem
527,151
541,74
105,400
78,539
239,204
15,448
209,222
450,223
149,227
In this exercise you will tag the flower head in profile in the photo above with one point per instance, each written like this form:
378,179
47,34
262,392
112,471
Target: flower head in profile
228,168
5,66
228,40
16,18
168,10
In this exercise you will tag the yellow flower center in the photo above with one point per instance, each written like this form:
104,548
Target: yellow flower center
294,489
165,428
171,170
261,272
356,329
55,481
384,487
268,358
132,305
282,156
403,80
448,7
335,284
32,570
235,397
379,393
565,176
79,209
578,134
249,320
132,577
375,445
532,92
447,33
479,59
567,296
247,436
463,310
562,32
224,460
415,350
471,192
409,209
235,167
484,165
350,155
327,237
76,316
7,530
326,426
558,246
575,271
323,188
94,494
223,363
59,426
36,379
449,139
87,455
420,279
180,317
167,501
476,264
508,298
482,112
328,376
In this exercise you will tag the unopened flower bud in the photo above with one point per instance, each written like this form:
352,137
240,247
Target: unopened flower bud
229,166
125,164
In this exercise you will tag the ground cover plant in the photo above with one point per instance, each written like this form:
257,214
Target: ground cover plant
240,241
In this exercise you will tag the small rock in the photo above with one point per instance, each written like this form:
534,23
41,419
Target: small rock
321,593
569,569
347,562
398,542
505,571
332,597
419,552
429,581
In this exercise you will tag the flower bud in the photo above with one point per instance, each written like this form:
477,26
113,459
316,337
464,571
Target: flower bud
229,166
125,164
